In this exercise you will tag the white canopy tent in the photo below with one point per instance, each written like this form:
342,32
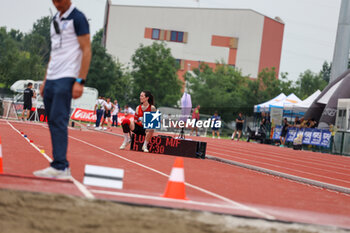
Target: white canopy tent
302,107
265,107
288,101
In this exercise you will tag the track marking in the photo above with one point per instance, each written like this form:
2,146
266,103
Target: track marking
253,210
113,193
79,185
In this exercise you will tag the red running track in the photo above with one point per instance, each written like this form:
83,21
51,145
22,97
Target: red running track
210,185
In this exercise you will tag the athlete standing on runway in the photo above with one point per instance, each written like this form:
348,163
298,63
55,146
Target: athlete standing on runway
135,125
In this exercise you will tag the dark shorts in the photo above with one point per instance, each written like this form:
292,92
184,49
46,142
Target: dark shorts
27,106
283,133
139,130
239,127
107,113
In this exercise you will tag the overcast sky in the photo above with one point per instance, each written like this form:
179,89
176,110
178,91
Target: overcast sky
309,35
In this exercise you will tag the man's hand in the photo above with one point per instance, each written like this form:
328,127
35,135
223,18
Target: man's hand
77,90
42,89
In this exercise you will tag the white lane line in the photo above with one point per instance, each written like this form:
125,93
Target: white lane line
121,194
83,189
32,144
79,185
256,211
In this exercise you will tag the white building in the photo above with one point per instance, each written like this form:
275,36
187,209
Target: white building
243,38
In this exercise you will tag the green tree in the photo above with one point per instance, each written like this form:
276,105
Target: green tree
16,64
326,71
105,74
224,89
267,86
154,69
38,40
308,83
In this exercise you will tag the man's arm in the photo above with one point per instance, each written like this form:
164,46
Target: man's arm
85,46
42,86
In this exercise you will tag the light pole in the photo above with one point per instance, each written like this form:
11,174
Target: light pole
342,43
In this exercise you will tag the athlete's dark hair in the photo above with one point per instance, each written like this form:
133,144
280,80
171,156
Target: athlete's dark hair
29,84
150,97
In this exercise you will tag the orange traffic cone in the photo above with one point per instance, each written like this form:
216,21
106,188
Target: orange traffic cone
1,169
176,184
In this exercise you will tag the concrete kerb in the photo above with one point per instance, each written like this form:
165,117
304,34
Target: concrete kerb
283,175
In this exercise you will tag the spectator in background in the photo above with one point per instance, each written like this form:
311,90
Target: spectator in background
115,112
267,118
195,116
28,94
239,127
312,123
215,118
297,122
128,110
285,126
99,110
303,122
107,114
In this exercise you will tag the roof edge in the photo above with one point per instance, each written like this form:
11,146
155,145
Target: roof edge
276,19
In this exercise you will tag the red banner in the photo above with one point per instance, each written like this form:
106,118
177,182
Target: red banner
89,116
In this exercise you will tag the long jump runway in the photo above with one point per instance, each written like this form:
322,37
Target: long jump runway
218,184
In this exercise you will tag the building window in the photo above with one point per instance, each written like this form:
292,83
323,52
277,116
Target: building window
177,36
178,63
173,36
180,36
155,34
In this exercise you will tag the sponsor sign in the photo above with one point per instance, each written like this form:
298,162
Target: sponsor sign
277,132
80,114
316,137
326,138
291,134
307,136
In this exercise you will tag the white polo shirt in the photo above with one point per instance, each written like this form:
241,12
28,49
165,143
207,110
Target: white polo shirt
100,103
66,55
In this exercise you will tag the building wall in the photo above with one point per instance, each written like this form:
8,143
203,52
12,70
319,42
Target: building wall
209,33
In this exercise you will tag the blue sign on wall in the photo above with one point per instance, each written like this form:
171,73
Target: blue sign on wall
291,134
326,138
316,137
307,136
277,132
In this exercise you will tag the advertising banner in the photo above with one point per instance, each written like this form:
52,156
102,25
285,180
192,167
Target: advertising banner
89,116
326,138
276,115
291,134
307,136
277,132
316,137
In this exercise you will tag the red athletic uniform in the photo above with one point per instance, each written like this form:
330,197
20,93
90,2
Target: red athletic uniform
139,114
